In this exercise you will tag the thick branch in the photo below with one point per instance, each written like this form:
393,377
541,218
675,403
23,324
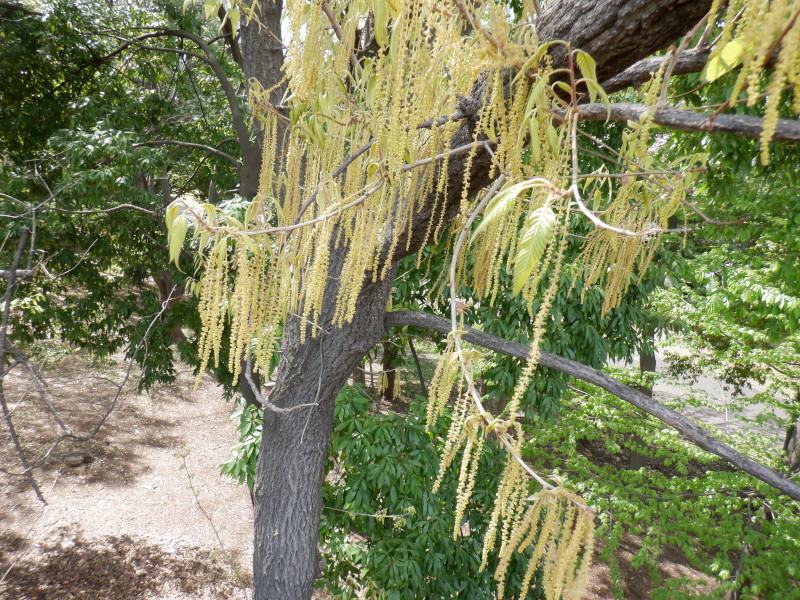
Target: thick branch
18,274
691,61
11,6
203,147
683,120
687,428
617,33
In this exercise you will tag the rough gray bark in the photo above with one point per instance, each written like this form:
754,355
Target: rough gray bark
618,33
684,120
691,61
687,428
287,493
262,59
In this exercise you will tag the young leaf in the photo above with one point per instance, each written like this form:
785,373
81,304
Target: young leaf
587,65
725,61
505,201
176,237
381,11
538,227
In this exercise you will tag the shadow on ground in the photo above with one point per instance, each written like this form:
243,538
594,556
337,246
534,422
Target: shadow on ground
116,568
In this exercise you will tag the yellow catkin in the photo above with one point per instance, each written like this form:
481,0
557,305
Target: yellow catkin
428,61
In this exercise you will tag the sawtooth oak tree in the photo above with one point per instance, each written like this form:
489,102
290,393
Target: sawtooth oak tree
402,117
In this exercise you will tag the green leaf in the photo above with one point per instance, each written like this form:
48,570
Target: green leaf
234,15
381,11
504,201
596,90
176,237
538,229
587,65
728,59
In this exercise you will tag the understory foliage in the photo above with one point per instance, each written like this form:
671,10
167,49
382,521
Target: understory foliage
753,547
364,151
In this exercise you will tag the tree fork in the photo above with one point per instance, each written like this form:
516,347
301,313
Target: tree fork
290,470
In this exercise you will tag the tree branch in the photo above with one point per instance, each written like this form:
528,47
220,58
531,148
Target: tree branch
683,120
687,428
691,61
11,6
203,147
239,124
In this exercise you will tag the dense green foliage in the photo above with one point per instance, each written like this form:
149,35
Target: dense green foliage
104,101
383,532
732,301
685,497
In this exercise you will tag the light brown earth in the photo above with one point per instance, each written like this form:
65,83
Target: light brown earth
127,525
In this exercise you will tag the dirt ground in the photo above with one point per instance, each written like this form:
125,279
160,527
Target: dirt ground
149,516
127,524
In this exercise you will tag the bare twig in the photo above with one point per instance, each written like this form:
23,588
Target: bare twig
10,286
248,375
203,147
340,34
709,220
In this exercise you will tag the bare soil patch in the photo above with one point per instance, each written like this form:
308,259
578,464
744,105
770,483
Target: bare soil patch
125,523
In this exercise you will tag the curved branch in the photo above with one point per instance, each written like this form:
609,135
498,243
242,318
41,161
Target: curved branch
181,144
239,124
687,428
684,120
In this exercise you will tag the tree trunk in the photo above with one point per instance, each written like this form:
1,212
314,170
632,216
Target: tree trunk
647,367
262,59
294,445
290,471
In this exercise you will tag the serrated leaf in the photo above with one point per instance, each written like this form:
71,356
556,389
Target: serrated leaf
563,86
537,95
727,60
587,65
501,204
171,213
552,138
596,90
538,227
533,61
211,212
176,237
245,239
210,7
234,15
235,222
